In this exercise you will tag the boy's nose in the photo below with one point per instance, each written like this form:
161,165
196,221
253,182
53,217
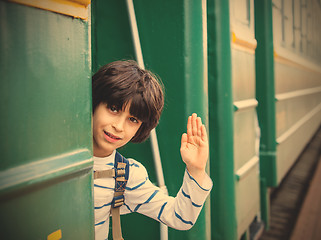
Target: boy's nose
119,124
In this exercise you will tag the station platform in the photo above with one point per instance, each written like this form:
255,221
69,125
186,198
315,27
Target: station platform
308,224
295,209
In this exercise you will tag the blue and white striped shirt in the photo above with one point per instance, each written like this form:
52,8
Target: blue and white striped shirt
144,197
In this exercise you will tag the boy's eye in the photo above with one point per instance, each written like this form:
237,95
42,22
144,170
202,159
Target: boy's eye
134,120
113,109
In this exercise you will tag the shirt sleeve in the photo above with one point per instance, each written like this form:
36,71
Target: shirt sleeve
180,212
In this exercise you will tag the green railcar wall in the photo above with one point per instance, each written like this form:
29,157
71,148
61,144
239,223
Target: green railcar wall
221,126
297,56
290,90
234,130
288,85
171,34
45,166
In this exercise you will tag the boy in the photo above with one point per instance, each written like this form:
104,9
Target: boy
127,104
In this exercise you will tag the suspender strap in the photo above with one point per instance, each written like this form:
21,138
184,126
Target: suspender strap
120,172
104,174
115,212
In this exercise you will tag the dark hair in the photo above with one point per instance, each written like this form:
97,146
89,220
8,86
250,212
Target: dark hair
121,82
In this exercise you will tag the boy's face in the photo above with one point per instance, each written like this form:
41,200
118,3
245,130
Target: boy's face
112,129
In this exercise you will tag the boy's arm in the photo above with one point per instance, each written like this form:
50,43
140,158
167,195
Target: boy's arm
180,212
194,148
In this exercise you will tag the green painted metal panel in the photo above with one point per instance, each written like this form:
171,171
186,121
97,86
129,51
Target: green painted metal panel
172,44
110,31
61,204
45,171
223,212
181,68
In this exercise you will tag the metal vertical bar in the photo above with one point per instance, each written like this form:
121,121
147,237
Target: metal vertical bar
135,34
265,94
293,24
223,210
153,136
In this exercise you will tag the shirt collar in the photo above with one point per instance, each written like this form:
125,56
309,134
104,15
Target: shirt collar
103,161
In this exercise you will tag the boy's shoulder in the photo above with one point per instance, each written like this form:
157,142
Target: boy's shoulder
136,167
137,172
133,164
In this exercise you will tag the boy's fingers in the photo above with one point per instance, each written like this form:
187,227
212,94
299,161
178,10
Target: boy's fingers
189,126
204,133
183,140
194,124
199,126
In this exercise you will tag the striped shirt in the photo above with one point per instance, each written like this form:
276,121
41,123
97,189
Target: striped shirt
144,197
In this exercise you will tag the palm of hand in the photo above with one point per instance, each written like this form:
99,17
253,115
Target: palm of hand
194,145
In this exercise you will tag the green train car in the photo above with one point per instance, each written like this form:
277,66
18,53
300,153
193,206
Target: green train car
46,147
250,68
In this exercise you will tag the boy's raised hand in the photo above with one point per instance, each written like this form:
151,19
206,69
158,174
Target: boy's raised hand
194,148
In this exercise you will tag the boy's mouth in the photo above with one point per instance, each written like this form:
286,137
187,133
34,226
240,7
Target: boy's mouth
110,137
